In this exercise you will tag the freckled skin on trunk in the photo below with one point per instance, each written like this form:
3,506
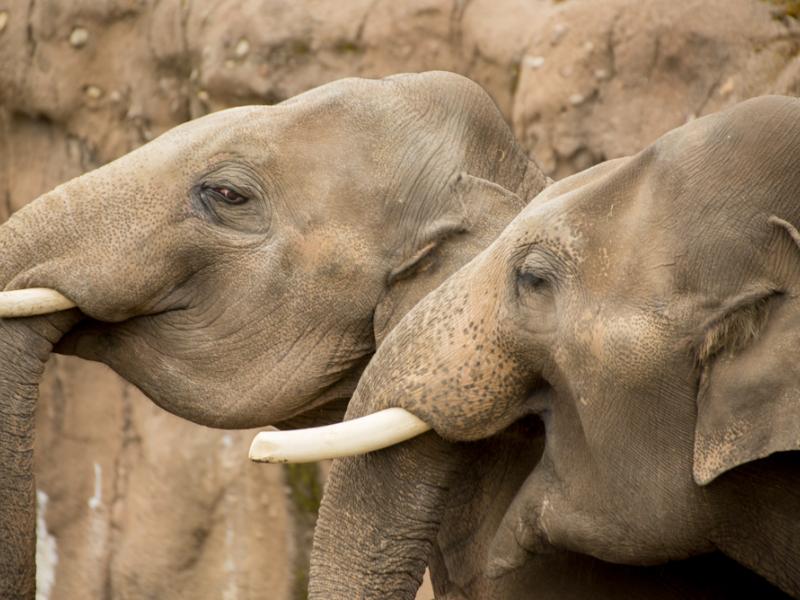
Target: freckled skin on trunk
25,345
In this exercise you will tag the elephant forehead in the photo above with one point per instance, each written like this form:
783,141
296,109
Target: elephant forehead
262,133
195,140
727,169
551,226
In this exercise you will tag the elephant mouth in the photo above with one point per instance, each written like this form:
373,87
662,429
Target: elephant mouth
39,301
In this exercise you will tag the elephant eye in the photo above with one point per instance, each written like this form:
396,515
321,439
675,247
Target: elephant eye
526,280
225,194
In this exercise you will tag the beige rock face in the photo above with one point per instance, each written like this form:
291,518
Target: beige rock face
135,503
603,80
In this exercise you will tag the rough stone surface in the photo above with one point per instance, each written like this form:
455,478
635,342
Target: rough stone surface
138,503
620,73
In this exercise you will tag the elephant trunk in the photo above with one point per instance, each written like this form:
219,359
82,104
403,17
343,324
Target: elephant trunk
86,239
34,243
382,511
25,345
379,520
30,237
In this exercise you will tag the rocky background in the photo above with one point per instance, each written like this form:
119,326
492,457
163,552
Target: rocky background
135,503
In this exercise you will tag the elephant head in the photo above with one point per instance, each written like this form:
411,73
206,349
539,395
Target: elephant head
648,311
241,268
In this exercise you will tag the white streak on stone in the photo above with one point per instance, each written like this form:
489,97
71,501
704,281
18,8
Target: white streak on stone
46,551
230,462
533,62
96,501
231,590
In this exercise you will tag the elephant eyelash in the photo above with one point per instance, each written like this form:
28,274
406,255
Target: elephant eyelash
536,271
225,194
537,258
226,206
531,280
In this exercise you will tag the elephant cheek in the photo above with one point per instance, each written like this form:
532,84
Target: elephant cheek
139,359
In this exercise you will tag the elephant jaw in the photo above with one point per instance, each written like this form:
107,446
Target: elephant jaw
357,436
31,302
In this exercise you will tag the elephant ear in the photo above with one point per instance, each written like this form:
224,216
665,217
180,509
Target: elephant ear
468,215
749,397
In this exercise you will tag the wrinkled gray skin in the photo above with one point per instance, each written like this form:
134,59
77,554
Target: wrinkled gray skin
240,315
648,311
251,314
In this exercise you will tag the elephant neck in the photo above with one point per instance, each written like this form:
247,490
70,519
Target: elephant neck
25,345
756,512
475,507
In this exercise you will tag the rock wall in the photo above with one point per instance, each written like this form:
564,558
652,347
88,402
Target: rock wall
135,503
602,80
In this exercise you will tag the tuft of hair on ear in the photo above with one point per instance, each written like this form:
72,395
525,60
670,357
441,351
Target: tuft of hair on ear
788,227
734,329
741,320
421,260
417,263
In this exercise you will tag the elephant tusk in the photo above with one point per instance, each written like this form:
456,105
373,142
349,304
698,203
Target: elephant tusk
31,302
348,438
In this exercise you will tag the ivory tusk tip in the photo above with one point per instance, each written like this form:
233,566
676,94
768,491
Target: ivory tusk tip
357,436
261,450
31,302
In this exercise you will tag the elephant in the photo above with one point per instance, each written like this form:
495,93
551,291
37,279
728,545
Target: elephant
242,268
645,311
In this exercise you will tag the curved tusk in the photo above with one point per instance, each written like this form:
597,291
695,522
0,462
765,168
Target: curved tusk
357,436
31,302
